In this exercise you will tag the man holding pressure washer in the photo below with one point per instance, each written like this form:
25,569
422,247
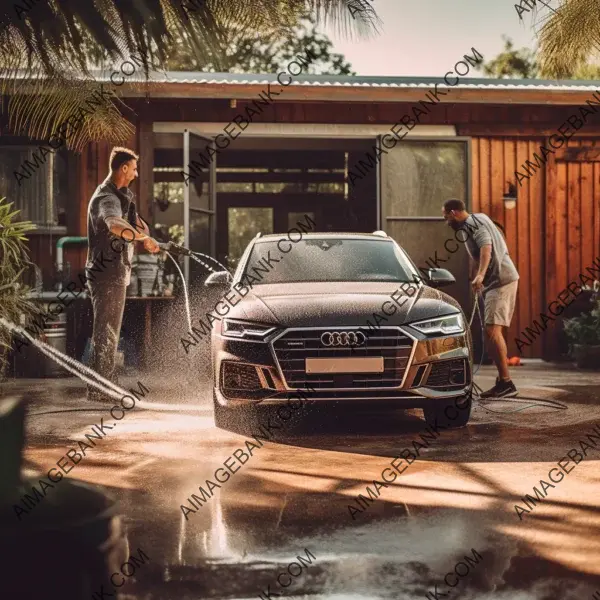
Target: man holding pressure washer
496,276
113,224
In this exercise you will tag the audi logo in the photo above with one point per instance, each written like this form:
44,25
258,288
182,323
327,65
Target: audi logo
343,338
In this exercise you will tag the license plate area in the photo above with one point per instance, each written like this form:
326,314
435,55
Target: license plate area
356,364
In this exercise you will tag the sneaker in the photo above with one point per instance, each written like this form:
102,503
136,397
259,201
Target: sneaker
502,389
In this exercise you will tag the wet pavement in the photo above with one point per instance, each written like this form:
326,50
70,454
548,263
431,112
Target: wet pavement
451,511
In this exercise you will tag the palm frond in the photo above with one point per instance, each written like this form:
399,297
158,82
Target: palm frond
569,37
45,66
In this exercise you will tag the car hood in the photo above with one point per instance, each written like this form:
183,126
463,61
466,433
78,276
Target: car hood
339,303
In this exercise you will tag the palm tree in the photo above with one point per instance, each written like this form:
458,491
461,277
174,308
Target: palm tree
48,51
569,36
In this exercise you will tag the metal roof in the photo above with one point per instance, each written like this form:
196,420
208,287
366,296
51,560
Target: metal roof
355,81
347,88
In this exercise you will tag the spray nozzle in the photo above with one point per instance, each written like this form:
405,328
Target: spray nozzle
174,248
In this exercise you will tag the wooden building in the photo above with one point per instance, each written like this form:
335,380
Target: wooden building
301,155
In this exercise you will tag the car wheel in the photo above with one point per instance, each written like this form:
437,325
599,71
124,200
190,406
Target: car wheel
450,414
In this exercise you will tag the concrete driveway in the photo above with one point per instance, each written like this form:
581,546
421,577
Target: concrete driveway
446,527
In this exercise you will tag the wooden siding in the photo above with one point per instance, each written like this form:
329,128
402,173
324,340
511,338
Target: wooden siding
494,162
552,234
572,216
472,119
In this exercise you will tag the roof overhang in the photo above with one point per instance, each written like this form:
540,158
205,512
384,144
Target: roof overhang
329,88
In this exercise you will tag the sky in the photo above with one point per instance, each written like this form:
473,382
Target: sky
427,37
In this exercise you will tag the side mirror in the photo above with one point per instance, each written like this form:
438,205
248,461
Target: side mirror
219,279
440,277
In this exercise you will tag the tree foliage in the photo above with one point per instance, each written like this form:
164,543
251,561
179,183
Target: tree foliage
511,63
253,53
524,63
45,49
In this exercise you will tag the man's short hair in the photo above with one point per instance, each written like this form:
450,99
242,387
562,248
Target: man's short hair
119,156
454,204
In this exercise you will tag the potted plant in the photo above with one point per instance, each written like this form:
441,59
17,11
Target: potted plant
583,333
14,260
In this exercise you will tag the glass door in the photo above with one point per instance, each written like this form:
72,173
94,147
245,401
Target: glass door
416,178
199,202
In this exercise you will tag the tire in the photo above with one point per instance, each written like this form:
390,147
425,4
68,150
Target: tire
450,414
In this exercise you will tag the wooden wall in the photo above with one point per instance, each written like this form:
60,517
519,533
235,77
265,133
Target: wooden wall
573,221
572,215
552,233
494,162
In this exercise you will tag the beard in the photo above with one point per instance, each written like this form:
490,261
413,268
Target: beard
456,225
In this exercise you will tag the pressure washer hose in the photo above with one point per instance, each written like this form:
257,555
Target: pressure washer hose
185,291
519,398
78,369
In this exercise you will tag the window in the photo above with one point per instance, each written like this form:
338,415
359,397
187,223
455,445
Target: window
417,177
420,176
334,259
41,196
243,225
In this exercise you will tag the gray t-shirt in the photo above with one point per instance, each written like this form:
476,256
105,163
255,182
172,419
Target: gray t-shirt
482,232
105,261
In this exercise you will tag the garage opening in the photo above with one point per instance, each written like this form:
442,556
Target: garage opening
260,185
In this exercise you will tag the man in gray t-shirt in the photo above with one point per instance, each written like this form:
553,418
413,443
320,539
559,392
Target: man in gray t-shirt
113,224
496,276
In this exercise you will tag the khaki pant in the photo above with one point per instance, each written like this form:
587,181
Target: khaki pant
500,303
108,304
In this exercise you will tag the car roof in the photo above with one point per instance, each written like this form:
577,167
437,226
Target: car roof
330,234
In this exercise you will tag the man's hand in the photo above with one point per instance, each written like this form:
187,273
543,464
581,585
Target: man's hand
477,283
151,245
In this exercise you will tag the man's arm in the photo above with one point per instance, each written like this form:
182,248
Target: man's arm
110,212
485,255
473,266
118,225
483,239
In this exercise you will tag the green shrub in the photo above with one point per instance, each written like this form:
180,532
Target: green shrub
584,330
14,260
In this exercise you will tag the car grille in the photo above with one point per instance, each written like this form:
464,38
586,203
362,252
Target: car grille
295,346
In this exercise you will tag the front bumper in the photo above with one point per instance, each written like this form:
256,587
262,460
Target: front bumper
417,370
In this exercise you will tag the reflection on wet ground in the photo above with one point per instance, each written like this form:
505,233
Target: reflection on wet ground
293,494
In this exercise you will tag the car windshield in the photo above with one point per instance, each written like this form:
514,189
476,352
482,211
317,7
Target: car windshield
327,259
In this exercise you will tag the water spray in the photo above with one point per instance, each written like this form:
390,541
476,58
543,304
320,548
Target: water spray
85,373
171,248
202,263
211,258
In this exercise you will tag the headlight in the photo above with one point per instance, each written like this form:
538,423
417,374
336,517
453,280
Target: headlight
245,329
448,325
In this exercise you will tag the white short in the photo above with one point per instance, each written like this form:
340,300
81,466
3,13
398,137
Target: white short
500,304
